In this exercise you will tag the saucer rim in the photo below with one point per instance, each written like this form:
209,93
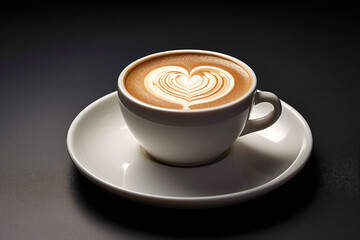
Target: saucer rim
201,201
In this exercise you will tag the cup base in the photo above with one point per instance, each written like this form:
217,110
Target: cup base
185,165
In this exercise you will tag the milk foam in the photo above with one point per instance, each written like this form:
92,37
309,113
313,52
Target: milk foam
201,85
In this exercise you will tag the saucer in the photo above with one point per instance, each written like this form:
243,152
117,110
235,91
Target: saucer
104,150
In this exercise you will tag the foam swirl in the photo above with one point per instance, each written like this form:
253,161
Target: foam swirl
201,85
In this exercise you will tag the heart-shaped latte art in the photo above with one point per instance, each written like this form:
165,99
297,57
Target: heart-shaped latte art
201,85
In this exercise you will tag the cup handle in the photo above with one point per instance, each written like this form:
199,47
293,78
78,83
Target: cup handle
253,125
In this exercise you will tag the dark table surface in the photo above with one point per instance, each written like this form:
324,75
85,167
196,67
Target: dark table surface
57,58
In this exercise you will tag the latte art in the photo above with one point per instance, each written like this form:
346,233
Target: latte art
187,81
201,85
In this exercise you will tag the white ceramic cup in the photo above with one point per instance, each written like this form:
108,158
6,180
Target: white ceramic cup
193,137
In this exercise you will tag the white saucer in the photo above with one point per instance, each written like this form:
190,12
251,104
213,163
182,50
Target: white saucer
103,149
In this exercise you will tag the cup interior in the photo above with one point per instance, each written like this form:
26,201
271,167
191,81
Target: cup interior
123,91
180,117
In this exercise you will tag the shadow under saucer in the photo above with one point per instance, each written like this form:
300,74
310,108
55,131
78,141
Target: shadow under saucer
262,212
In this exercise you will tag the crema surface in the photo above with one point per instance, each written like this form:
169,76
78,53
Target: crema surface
187,81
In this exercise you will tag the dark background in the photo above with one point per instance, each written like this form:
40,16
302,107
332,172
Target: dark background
56,58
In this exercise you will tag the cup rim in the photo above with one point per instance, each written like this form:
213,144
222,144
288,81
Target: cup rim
128,96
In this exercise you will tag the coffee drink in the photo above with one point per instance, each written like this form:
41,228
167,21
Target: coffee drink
187,81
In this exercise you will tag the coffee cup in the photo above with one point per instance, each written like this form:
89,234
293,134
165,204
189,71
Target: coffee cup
187,107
